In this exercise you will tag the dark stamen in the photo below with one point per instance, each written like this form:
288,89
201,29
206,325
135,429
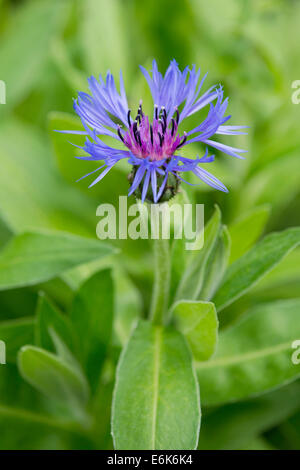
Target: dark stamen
183,141
156,111
151,133
161,139
138,118
177,116
134,127
165,119
128,117
140,110
164,112
173,126
119,134
163,125
138,138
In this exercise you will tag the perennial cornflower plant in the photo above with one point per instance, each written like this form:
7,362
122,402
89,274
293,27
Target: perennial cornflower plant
102,344
153,145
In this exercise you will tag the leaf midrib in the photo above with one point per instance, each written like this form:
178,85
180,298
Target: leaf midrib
156,370
231,360
46,256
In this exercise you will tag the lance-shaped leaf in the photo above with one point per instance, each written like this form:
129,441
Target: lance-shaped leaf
50,318
92,318
234,425
192,279
70,167
198,322
179,254
21,39
128,306
254,356
15,334
32,193
216,265
34,257
103,22
246,230
252,266
54,377
156,397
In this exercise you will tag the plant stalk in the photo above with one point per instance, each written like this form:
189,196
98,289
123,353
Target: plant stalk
161,287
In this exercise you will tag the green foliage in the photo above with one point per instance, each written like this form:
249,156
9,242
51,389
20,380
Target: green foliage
252,266
49,319
35,257
21,39
92,318
245,231
254,355
15,333
155,375
198,322
193,277
53,376
71,311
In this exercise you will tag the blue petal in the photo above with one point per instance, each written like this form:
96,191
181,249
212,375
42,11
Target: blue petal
209,179
154,184
146,185
137,179
226,148
99,178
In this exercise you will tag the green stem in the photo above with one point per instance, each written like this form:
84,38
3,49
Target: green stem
160,294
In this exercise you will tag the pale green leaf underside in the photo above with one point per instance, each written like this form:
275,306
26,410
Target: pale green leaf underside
53,376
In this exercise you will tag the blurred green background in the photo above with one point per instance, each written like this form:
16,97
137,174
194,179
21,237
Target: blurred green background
47,50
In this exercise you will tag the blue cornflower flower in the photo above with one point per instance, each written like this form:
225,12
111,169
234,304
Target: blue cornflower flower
153,147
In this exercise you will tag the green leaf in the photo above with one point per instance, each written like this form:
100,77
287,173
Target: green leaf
33,195
156,397
252,266
246,230
92,315
52,376
254,355
21,39
15,334
35,257
26,429
233,425
101,23
266,185
198,322
178,250
49,318
70,167
216,265
128,306
192,279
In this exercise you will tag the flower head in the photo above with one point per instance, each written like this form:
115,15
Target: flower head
153,145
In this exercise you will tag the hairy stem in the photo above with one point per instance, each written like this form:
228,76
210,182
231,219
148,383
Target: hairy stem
160,294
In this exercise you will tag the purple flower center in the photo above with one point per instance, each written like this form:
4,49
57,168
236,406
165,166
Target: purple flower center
158,140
